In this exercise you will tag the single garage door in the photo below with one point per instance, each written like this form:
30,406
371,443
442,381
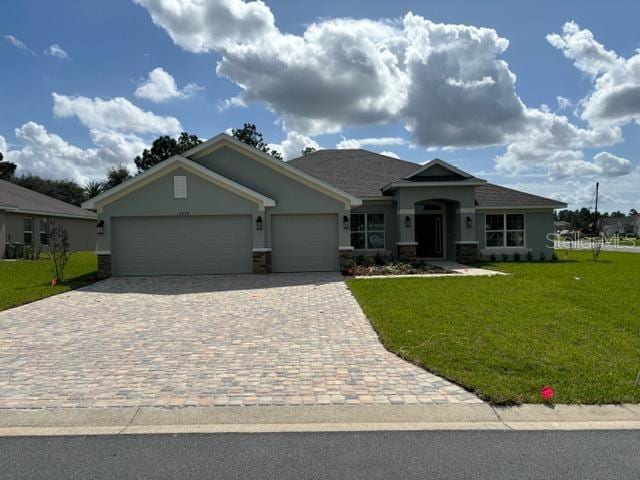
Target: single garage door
187,245
304,243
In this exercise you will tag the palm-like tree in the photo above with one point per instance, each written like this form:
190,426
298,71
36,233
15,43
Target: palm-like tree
92,189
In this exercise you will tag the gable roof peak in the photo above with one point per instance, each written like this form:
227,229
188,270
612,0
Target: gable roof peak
438,162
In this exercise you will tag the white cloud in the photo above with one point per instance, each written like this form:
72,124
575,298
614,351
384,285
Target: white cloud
550,142
19,44
118,131
370,142
116,114
615,99
563,103
616,192
49,155
611,165
293,144
446,83
56,50
390,154
580,46
160,86
202,26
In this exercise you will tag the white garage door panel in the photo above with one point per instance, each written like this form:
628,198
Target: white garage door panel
181,245
304,243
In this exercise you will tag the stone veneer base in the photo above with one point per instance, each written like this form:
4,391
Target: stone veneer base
467,253
346,257
104,265
407,253
262,262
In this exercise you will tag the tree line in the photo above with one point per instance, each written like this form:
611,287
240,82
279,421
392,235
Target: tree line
161,149
584,219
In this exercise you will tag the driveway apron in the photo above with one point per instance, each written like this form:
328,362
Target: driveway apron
280,339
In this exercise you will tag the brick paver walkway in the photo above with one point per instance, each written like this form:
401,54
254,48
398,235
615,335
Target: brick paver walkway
285,339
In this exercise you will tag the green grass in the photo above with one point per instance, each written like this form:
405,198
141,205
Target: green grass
573,324
628,242
24,281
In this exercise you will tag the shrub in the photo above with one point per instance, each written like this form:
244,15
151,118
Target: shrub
516,256
543,257
505,257
529,256
349,267
27,252
59,247
18,250
554,256
367,261
492,257
379,259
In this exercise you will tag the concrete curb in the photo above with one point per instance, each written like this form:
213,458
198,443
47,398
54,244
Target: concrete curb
157,420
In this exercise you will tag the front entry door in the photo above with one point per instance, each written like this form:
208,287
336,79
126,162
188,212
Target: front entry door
429,235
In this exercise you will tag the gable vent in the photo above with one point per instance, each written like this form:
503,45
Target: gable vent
180,186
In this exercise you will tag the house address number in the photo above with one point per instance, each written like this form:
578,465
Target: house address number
184,214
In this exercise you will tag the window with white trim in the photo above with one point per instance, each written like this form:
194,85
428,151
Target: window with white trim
504,230
44,231
27,229
367,230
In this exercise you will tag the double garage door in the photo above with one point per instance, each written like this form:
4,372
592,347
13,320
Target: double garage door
220,244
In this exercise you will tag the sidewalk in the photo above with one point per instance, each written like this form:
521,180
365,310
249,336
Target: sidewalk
156,420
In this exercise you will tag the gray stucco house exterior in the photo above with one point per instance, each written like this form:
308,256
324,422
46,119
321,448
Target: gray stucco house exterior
629,225
26,217
225,207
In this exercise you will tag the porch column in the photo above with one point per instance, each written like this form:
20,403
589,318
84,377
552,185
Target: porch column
467,250
406,234
261,253
103,246
345,249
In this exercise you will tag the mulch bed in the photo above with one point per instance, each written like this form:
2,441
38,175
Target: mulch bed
397,269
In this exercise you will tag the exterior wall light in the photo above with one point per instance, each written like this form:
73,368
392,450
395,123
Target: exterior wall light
469,222
100,227
345,222
259,223
407,221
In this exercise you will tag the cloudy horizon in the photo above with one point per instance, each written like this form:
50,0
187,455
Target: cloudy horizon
550,109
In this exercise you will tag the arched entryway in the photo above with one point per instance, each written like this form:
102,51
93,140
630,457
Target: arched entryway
435,228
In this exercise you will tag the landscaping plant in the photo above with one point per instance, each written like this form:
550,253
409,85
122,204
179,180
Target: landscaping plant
59,246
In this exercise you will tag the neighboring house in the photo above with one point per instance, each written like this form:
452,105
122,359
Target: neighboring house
26,217
561,226
225,207
622,225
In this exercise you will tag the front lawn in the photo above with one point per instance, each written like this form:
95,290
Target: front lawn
23,281
573,324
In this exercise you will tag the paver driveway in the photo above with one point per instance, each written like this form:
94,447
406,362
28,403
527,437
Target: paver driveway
285,339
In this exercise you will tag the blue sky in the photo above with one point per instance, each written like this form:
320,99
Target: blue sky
429,84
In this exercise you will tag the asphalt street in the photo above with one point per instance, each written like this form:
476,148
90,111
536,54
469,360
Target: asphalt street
344,455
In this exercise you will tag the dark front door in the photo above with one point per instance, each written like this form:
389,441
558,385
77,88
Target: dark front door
429,235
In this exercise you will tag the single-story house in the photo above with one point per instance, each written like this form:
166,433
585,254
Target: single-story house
225,207
561,226
26,217
629,225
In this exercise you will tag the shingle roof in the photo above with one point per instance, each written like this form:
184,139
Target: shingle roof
15,197
364,174
490,195
359,172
